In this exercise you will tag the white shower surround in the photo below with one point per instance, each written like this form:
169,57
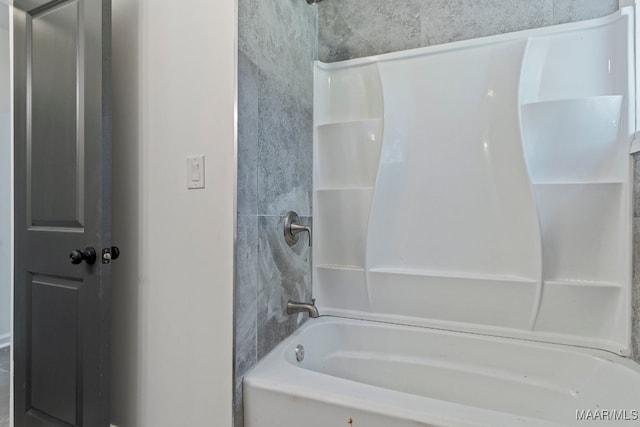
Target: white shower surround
482,186
472,216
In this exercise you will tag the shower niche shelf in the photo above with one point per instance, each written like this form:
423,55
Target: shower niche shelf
482,186
574,140
343,215
582,231
576,132
348,110
349,152
570,308
588,59
490,300
347,95
342,287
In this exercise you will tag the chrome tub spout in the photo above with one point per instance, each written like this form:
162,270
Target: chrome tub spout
294,307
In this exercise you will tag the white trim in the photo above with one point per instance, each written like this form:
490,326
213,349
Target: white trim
13,243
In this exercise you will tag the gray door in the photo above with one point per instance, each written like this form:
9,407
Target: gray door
62,204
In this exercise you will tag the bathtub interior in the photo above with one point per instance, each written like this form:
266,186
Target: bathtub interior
526,379
481,186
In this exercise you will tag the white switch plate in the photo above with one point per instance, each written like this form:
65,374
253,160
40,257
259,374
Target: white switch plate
195,172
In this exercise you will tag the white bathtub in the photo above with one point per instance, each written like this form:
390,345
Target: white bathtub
372,374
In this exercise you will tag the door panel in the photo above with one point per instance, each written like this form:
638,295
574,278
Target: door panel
56,148
55,391
62,129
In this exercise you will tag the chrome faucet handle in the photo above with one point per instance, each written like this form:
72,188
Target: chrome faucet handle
292,227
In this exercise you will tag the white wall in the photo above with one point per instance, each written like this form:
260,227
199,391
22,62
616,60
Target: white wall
5,183
173,93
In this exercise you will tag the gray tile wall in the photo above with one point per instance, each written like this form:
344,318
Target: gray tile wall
356,28
277,42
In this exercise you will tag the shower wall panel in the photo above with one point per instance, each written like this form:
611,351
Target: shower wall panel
492,193
359,28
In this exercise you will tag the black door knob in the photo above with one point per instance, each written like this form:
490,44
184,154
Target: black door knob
88,256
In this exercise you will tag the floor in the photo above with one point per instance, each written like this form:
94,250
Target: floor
5,366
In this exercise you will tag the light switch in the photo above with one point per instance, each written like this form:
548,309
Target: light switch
195,172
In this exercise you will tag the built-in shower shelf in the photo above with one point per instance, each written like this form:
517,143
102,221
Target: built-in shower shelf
350,152
574,140
567,183
348,123
353,268
343,216
451,275
598,99
580,308
348,94
342,287
572,282
582,226
470,298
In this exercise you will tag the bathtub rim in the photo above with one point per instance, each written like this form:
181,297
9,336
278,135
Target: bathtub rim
328,319
554,339
275,374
